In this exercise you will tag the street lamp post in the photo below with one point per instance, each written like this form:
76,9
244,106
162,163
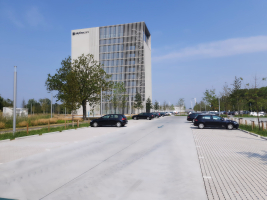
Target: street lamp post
14,100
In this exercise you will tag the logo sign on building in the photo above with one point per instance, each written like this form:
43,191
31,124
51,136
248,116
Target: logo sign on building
80,32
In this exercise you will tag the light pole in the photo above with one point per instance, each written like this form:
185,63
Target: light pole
14,100
101,104
51,103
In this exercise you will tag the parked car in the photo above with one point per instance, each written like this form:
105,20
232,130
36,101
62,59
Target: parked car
156,114
192,116
163,114
207,120
168,114
255,114
110,120
147,116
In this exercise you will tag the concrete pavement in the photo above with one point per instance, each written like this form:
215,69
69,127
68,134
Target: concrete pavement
154,159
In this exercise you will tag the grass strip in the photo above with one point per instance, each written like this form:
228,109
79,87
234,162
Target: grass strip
255,129
10,136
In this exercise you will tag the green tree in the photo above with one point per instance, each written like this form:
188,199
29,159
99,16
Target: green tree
180,103
172,107
1,103
211,98
156,105
149,105
119,97
44,104
138,104
236,92
89,79
253,97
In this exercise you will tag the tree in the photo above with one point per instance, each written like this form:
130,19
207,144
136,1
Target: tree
23,104
1,103
138,104
149,105
89,79
180,103
253,96
172,107
235,92
211,98
118,95
44,104
165,105
226,91
156,105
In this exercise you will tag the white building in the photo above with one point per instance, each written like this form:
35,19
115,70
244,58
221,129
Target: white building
125,52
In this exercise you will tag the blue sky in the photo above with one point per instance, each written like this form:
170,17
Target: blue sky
196,45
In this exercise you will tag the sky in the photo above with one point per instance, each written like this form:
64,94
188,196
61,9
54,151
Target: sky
196,45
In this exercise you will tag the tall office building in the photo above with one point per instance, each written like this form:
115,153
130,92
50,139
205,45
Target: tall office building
125,52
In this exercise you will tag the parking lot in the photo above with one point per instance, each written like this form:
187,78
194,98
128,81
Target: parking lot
233,163
165,158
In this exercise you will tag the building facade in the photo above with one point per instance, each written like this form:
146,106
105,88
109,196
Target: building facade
125,52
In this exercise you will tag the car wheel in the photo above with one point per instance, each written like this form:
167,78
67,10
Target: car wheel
230,126
201,126
148,118
95,124
118,124
135,118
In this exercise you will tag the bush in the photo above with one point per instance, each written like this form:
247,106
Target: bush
22,124
2,125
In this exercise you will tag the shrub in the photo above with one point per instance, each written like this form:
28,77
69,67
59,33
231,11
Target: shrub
22,124
2,125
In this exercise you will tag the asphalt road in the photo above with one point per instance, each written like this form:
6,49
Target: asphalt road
154,159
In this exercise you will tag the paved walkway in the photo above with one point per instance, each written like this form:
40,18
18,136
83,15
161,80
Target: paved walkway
233,163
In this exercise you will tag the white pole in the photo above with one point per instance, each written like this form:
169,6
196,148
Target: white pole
14,99
130,104
51,104
101,104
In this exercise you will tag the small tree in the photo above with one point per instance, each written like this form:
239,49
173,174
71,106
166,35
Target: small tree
180,103
172,107
236,93
23,104
138,104
211,98
149,105
156,105
254,97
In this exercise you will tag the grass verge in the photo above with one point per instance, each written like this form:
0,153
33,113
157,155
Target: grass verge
255,129
10,136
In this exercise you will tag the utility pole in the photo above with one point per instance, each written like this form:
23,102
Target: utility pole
51,103
219,108
14,100
130,99
101,104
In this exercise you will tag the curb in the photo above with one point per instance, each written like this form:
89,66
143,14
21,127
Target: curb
25,137
50,133
265,138
4,140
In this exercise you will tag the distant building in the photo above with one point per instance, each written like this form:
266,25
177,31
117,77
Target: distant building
125,52
21,112
179,109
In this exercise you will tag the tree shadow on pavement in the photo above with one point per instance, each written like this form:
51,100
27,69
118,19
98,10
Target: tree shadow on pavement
262,157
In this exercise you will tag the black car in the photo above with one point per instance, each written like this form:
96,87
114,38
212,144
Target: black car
206,120
110,120
156,114
163,114
147,116
192,116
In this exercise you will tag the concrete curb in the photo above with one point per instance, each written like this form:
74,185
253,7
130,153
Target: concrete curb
256,135
25,137
50,133
7,140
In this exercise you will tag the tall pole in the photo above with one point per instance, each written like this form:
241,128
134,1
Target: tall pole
101,104
65,111
14,100
130,99
51,104
219,108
